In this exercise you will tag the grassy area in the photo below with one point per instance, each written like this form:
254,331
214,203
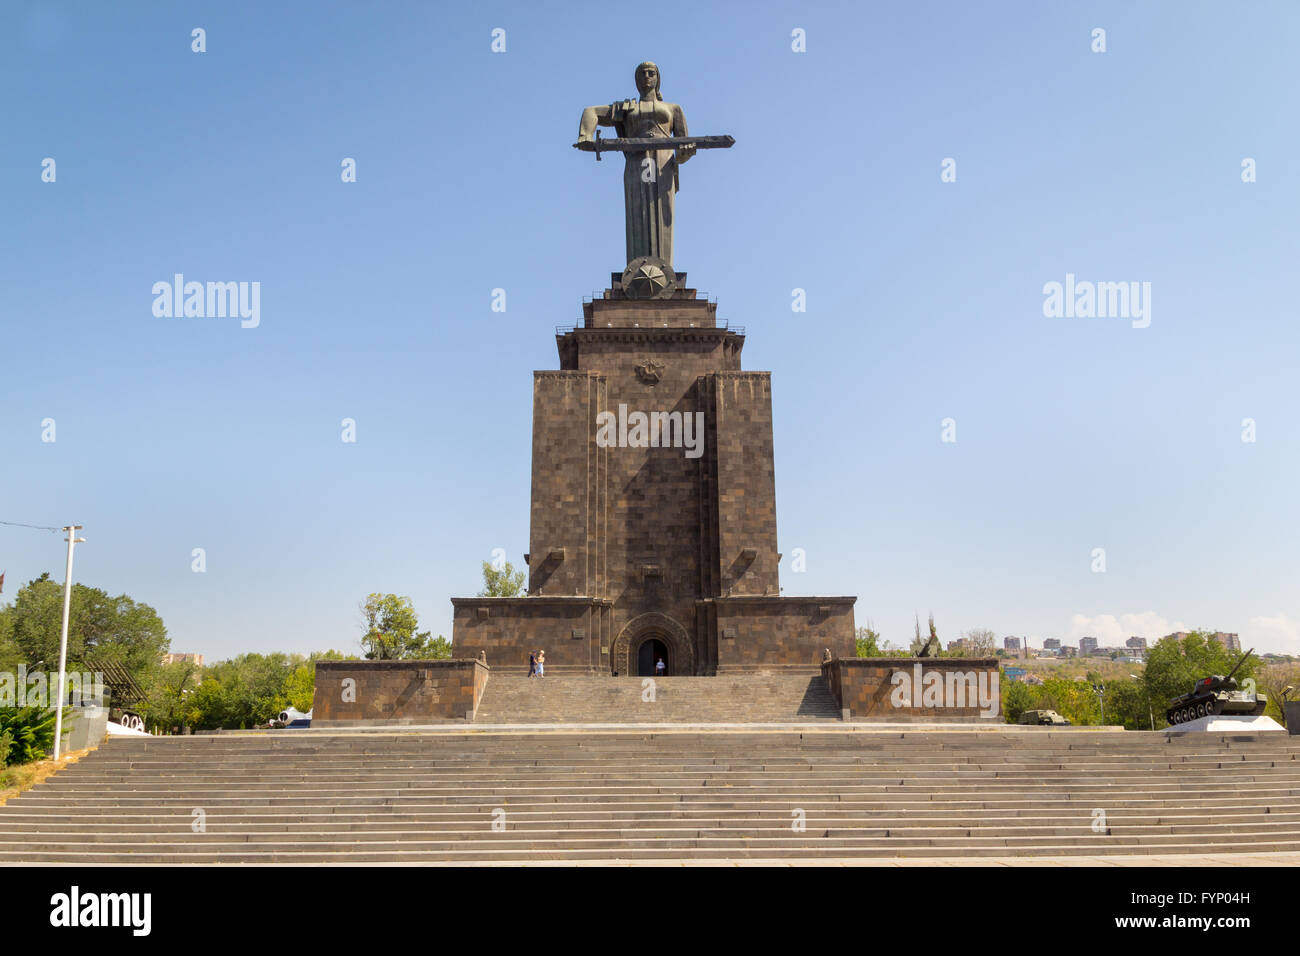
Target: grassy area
14,780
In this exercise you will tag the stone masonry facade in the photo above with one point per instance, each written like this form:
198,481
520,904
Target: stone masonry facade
368,693
630,544
916,688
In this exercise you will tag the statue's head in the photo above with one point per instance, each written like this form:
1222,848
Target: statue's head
647,80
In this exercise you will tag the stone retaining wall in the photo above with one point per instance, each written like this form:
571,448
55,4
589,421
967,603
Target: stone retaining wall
367,693
916,689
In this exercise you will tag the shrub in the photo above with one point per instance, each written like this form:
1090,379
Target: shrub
29,731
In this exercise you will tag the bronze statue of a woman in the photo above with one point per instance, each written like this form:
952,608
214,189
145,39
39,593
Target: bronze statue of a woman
649,176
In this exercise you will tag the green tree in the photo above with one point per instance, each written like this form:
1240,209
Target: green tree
168,702
1126,704
300,689
868,642
244,691
100,627
1274,679
391,634
10,653
1017,697
506,582
1072,699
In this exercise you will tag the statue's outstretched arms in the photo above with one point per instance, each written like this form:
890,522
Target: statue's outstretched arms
592,117
679,129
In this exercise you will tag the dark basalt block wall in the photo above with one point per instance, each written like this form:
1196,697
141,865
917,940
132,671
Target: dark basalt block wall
629,544
866,688
770,631
396,692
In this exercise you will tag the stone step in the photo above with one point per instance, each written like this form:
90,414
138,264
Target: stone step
508,851
845,833
274,773
568,816
318,797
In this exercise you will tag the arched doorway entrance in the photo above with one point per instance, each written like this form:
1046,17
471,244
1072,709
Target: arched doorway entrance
651,651
663,636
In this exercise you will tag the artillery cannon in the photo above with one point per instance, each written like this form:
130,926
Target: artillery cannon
1215,695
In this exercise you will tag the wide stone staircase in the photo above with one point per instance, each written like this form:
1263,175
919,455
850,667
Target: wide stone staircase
747,698
473,795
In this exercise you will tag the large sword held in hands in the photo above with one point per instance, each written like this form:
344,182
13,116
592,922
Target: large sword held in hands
647,143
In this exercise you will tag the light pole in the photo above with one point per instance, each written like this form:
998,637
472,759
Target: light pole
1150,711
73,540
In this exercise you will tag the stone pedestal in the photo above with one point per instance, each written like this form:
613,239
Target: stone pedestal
1227,724
653,506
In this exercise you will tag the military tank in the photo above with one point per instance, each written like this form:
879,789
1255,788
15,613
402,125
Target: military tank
1043,718
1215,695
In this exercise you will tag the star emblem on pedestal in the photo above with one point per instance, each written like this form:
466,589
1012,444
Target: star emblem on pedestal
646,281
648,278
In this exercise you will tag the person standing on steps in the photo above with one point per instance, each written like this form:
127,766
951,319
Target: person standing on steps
541,662
532,664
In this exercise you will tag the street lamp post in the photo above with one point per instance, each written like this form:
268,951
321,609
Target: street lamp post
73,540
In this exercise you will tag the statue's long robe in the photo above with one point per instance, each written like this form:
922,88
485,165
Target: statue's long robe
649,205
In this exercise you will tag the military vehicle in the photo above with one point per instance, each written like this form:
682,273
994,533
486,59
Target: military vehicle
1215,695
1043,718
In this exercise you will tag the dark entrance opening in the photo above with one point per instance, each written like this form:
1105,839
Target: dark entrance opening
650,653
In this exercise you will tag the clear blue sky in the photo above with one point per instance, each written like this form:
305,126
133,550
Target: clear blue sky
924,298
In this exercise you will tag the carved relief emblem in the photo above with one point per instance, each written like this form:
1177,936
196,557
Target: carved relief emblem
649,278
650,371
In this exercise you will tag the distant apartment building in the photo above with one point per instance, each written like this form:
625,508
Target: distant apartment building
196,659
1087,646
1011,644
1230,641
1136,644
1052,644
957,645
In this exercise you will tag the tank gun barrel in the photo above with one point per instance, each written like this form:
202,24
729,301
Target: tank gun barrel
1239,663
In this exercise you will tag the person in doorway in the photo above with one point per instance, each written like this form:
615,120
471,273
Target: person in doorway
660,668
541,663
532,664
